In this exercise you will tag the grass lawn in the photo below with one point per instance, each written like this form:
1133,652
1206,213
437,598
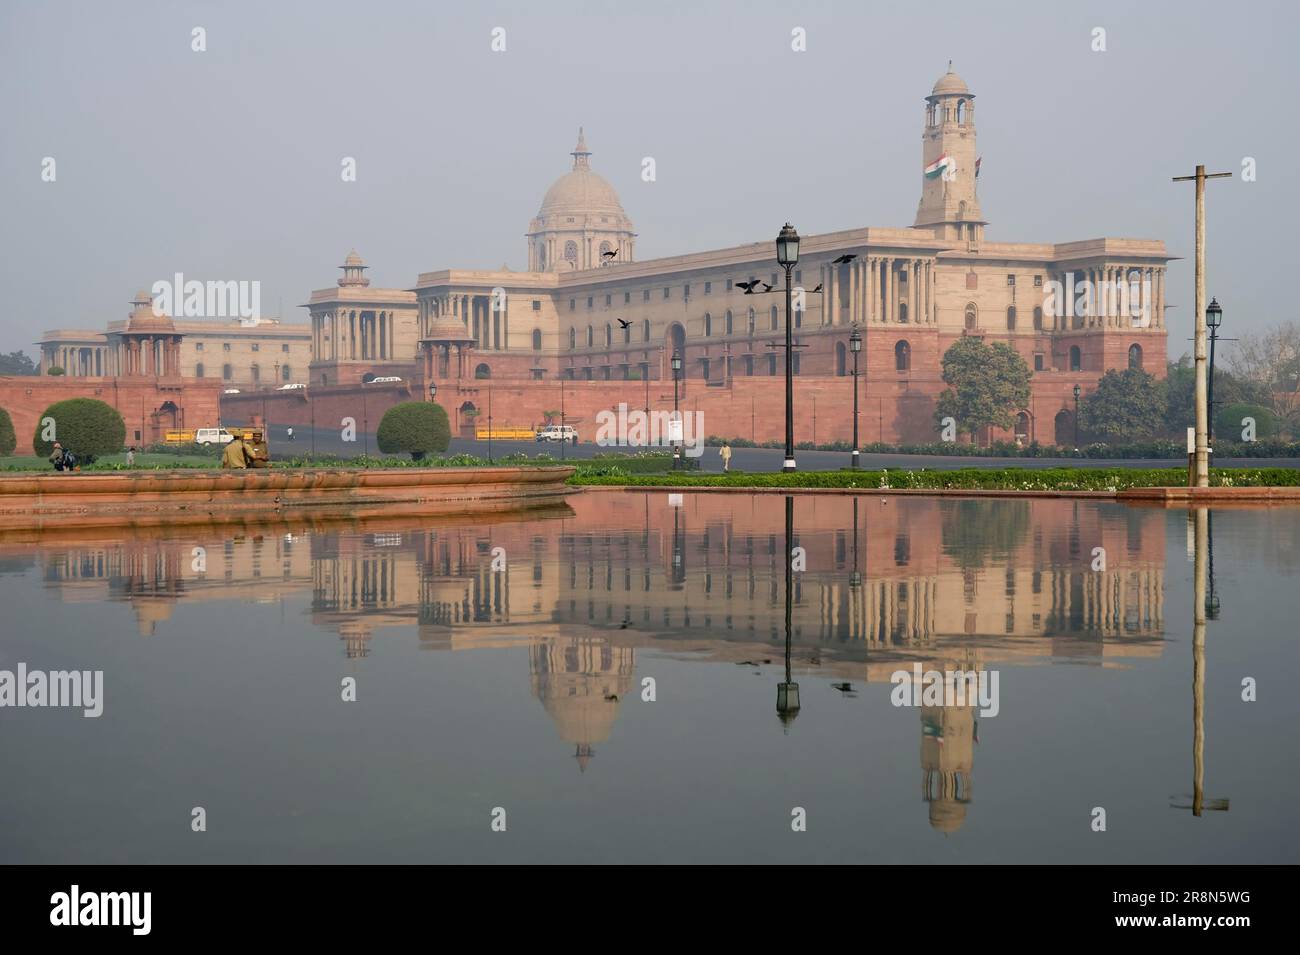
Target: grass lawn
112,462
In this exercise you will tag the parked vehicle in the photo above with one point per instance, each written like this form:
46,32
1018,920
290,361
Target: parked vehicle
389,379
231,391
292,386
205,437
482,433
558,432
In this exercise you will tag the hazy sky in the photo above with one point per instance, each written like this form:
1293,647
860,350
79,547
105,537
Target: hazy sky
226,164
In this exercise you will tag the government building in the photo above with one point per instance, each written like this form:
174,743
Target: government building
589,326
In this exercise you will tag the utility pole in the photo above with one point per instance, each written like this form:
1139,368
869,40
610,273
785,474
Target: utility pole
1202,455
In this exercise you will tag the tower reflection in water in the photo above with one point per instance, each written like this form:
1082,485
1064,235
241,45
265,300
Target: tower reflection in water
887,583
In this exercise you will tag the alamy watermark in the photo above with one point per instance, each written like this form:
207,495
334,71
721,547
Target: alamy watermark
640,429
70,688
194,299
946,688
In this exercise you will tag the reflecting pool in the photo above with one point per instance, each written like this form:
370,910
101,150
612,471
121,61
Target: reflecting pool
645,677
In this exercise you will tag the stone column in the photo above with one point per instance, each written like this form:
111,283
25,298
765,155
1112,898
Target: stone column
891,301
873,310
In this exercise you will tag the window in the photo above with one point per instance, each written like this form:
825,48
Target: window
1076,358
257,346
645,330
708,324
1038,281
972,280
1038,318
198,370
686,290
1011,281
627,298
902,356
591,336
226,372
573,303
571,253
609,300
1135,356
728,285
704,368
972,317
1011,318
667,292
773,282
1038,362
902,313
609,335
537,339
198,346
798,276
708,288
771,364
776,322
255,373
627,334
751,322
285,373
225,346
573,338
730,329
590,299
645,295
749,365
537,305
284,348
794,364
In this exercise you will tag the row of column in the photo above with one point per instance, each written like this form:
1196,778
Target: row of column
880,289
78,360
354,335
148,357
490,328
1110,311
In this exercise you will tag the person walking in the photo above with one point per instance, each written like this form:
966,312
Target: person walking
726,457
130,456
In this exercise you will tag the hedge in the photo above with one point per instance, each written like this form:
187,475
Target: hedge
416,428
8,439
87,427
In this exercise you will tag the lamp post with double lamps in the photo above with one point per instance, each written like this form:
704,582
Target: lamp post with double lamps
787,256
1213,319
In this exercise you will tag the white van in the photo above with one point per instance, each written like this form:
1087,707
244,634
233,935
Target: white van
565,433
209,436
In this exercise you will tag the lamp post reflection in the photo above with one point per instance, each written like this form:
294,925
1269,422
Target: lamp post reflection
787,693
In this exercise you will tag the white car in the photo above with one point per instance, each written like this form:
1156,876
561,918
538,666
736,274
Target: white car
558,432
292,386
209,436
231,391
386,379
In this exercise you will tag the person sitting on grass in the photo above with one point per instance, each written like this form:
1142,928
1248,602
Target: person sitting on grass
63,459
236,455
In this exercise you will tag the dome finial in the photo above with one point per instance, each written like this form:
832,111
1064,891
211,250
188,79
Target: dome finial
950,66
580,151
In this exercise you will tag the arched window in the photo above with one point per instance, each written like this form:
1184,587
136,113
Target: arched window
286,373
1038,318
902,356
627,334
1076,358
708,324
1022,425
1011,318
751,323
573,338
961,112
537,339
776,322
609,335
605,247
972,317
902,313
571,253
1135,356
591,336
541,256
483,371
729,326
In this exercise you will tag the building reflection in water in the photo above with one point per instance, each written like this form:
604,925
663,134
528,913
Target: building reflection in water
888,582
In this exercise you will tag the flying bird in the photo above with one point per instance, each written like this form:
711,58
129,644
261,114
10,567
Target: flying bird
843,687
818,288
609,255
847,257
748,286
766,287
623,323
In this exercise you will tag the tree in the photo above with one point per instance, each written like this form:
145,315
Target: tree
987,385
1270,361
1180,394
87,427
550,416
414,427
8,440
17,363
1126,406
1228,423
55,370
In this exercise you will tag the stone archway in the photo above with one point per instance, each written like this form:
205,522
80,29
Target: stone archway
466,419
1064,429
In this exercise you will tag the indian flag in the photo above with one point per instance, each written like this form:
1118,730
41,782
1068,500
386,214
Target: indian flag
936,168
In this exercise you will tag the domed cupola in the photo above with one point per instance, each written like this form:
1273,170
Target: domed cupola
580,222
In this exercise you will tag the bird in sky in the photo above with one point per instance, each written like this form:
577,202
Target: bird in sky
818,288
766,287
748,286
609,255
843,259
624,323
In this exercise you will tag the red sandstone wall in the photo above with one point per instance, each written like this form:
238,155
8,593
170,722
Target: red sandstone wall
138,400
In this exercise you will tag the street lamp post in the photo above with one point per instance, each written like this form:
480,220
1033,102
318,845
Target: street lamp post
1077,391
563,438
855,346
677,416
433,391
787,255
1213,318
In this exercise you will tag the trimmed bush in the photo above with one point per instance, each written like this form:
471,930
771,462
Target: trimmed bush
1228,426
416,428
87,427
8,440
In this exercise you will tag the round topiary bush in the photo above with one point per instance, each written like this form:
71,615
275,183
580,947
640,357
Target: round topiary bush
416,428
87,427
1228,423
8,440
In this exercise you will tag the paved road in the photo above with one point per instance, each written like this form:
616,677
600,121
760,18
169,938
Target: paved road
328,441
